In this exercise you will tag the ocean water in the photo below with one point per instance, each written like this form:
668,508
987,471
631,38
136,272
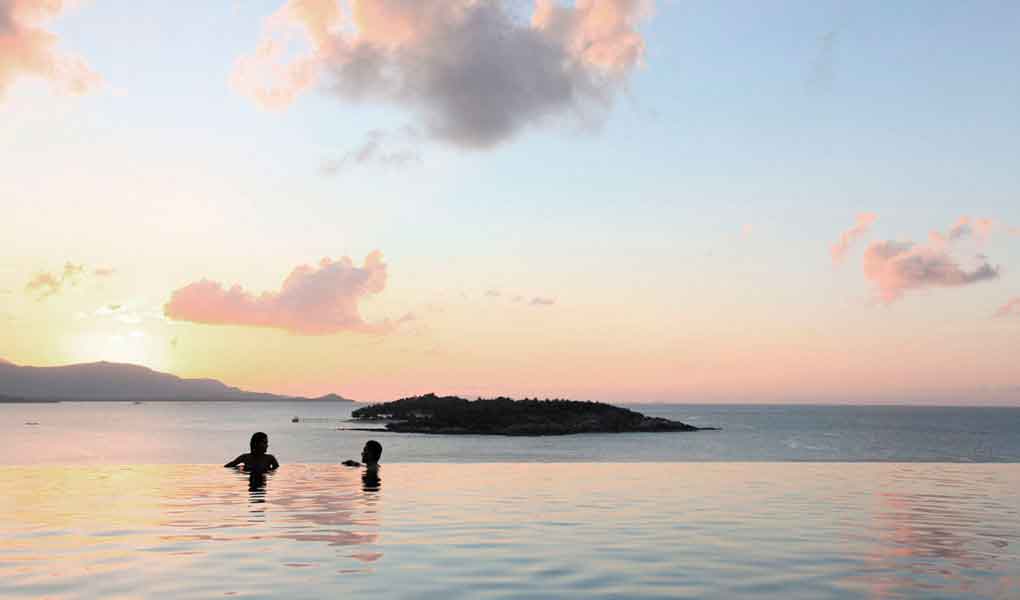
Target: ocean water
513,530
115,500
200,433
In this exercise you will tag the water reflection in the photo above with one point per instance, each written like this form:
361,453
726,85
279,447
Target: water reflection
370,480
298,504
936,526
315,505
256,496
257,486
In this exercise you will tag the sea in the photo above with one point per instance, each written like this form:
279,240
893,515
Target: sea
203,433
122,500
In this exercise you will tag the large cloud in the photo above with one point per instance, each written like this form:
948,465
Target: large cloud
28,50
471,71
848,237
896,267
314,300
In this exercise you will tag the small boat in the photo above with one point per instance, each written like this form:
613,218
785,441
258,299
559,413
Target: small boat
31,422
295,420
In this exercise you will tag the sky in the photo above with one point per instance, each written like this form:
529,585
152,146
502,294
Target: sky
615,200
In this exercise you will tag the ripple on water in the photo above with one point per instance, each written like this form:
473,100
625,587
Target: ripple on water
706,530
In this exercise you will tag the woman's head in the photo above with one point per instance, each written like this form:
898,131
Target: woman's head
259,443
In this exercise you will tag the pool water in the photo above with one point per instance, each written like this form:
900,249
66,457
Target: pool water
513,530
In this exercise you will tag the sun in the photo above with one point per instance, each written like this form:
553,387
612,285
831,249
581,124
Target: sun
133,347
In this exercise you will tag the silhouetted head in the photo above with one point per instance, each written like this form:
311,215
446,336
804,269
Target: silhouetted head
259,443
371,453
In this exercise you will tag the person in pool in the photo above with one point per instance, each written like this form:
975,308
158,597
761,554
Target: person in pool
370,456
256,461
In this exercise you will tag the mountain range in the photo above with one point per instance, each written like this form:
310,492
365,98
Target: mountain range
118,381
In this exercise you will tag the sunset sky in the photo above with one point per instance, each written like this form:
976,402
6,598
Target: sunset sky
611,200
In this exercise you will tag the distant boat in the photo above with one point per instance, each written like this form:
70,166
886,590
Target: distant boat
136,402
295,420
31,422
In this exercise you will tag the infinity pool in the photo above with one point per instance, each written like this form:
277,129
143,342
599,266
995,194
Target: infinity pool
704,530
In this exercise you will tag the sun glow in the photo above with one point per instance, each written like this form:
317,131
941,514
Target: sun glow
135,346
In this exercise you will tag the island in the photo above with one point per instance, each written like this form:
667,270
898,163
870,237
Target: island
505,416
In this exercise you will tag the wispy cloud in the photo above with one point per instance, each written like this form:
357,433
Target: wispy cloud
392,150
966,228
471,73
314,300
125,314
109,309
43,285
27,50
823,68
848,237
1009,308
517,298
46,284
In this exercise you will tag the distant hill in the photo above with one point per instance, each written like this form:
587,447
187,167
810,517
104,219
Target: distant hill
116,381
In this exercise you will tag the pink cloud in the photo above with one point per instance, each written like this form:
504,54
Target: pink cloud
897,267
471,73
847,239
1010,308
28,50
314,300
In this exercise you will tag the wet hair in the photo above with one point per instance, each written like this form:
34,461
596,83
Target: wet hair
374,448
255,437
